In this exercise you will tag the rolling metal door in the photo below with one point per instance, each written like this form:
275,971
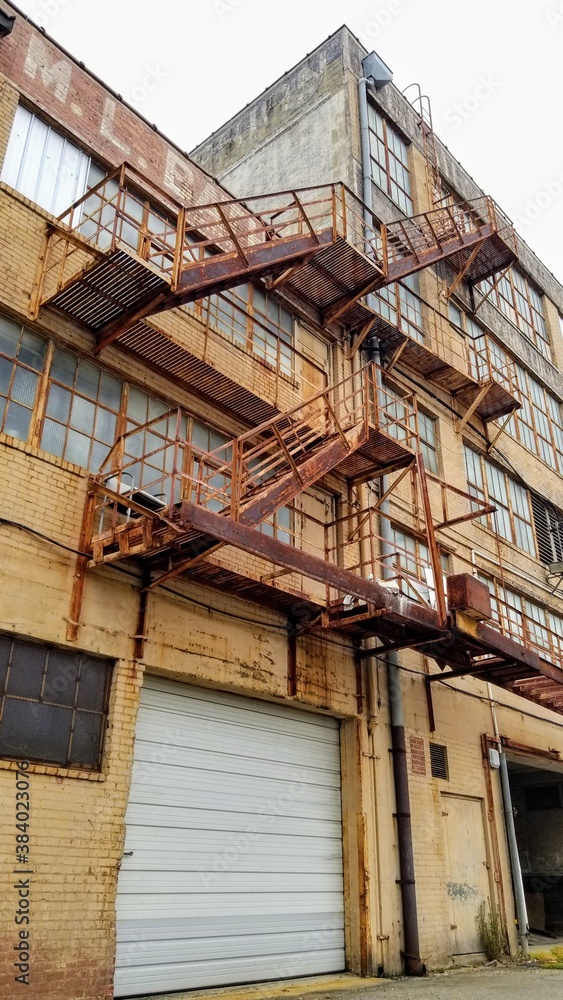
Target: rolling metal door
232,870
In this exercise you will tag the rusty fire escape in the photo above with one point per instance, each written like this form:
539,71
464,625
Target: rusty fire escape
125,253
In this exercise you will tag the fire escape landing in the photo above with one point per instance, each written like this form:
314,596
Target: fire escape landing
125,251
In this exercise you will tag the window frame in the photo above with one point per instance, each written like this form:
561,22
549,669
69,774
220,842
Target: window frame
52,687
250,328
404,200
507,505
523,618
86,164
513,297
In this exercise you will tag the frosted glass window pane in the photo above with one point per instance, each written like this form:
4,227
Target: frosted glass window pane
82,414
32,350
88,379
16,146
137,405
110,391
31,165
9,336
6,369
78,449
24,386
53,438
49,174
63,367
17,422
105,425
58,404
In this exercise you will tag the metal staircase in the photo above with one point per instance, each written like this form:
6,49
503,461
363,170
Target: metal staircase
351,427
125,251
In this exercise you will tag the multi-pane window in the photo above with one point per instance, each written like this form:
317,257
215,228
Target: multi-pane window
389,161
524,620
397,409
538,424
513,517
427,429
22,359
254,320
150,454
522,305
401,305
87,409
411,557
83,406
53,704
44,166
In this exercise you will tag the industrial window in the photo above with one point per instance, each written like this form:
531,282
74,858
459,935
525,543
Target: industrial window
427,426
401,305
519,301
439,761
428,431
410,559
538,425
83,406
524,620
53,704
22,359
513,517
44,166
254,320
150,453
548,522
487,359
389,161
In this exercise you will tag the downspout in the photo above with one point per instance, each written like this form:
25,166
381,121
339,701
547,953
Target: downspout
414,965
520,898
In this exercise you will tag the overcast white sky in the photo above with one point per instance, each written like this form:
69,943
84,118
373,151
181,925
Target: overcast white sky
493,70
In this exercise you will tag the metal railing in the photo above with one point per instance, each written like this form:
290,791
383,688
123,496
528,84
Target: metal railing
487,364
365,552
417,236
126,211
155,460
517,624
235,227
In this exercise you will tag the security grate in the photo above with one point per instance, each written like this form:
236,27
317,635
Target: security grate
439,761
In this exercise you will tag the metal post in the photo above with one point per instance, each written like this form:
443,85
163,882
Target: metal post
520,898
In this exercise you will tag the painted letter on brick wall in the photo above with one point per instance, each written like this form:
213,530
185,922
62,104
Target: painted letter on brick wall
55,75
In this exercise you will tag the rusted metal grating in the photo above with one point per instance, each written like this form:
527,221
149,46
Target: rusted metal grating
176,362
109,289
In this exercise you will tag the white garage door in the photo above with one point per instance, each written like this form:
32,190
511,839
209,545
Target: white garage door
233,858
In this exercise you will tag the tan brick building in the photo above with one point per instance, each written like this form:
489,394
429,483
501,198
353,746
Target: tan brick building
242,447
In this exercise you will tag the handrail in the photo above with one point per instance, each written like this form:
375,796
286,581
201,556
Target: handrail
233,473
521,627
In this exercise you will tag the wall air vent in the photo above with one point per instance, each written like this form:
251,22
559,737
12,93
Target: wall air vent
439,761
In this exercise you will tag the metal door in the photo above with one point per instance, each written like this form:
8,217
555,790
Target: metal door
467,868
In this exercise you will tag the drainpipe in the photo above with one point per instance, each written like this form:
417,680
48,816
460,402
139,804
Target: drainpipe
414,965
521,910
